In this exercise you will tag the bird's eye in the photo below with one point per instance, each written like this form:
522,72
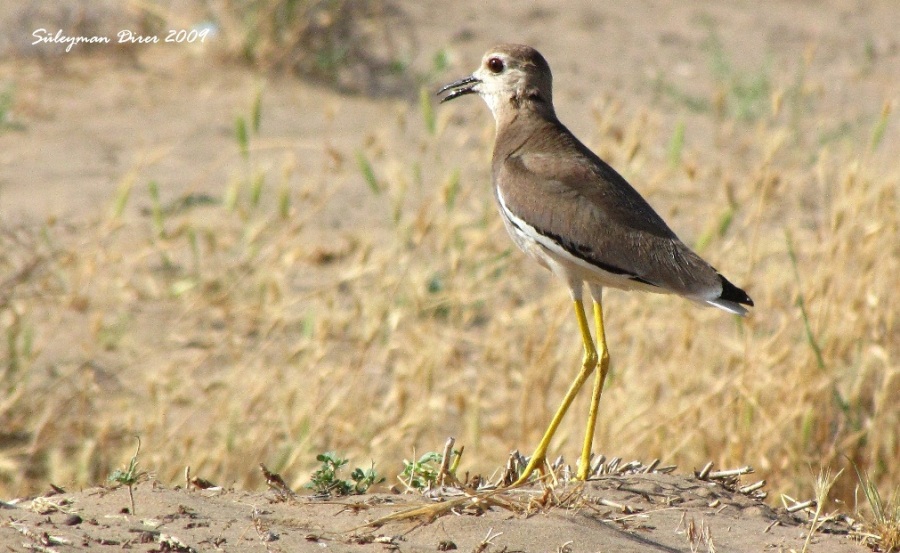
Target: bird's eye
495,65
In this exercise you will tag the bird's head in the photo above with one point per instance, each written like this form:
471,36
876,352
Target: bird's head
511,76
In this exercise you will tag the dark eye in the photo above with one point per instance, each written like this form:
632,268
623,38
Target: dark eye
495,65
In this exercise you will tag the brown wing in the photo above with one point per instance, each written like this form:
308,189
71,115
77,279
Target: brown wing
574,197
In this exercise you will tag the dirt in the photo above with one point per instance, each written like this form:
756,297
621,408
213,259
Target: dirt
636,512
167,114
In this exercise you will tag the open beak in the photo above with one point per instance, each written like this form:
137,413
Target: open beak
459,88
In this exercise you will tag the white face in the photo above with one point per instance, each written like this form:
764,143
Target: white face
499,81
509,78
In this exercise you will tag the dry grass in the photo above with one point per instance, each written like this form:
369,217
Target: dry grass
235,331
356,45
880,518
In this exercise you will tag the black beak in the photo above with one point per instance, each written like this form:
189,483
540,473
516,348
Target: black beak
459,88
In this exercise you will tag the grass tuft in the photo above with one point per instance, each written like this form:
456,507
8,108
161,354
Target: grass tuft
823,484
882,524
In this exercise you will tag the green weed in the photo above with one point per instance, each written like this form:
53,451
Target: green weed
325,481
423,472
130,475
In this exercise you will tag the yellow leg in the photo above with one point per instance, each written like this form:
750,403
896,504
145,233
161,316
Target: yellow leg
599,379
589,363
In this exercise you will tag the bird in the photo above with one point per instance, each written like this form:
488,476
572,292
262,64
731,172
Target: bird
575,215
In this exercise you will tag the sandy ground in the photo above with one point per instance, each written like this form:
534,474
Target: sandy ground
625,513
167,114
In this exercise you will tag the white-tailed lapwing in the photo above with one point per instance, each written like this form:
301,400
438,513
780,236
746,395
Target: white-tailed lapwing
576,216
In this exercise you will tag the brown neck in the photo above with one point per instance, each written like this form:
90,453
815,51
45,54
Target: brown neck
522,119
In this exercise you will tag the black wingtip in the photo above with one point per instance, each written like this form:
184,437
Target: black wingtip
732,293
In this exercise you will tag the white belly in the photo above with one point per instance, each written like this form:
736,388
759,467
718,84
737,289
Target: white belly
563,264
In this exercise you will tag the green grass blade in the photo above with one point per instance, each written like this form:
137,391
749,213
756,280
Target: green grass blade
676,145
880,127
156,211
256,111
284,201
232,191
243,139
440,61
427,110
718,230
256,188
451,190
123,194
810,336
365,167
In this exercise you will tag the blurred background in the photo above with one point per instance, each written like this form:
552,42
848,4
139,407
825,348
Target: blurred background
265,240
